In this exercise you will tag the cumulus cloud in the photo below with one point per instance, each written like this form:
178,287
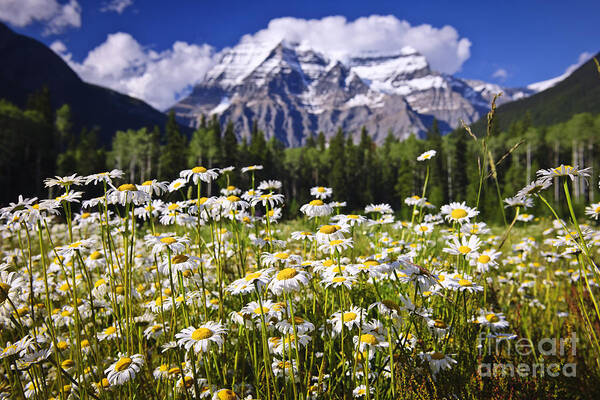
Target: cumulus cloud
123,64
54,15
500,74
445,50
117,6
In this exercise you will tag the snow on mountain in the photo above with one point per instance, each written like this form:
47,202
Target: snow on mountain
293,91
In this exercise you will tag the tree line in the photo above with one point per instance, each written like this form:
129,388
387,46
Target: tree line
39,142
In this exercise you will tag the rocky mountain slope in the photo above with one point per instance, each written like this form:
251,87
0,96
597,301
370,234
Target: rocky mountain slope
293,91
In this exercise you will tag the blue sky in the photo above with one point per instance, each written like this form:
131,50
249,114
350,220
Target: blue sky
513,43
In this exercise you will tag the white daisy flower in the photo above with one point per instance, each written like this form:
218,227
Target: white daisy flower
201,338
124,369
427,155
321,192
199,174
289,279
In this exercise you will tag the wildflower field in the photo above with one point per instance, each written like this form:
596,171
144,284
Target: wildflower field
161,291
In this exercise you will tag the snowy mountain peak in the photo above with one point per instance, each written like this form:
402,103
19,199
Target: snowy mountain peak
292,90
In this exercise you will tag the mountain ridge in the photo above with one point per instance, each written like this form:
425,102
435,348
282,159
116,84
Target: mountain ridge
293,91
28,65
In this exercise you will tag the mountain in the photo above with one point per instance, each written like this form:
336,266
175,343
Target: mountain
577,93
293,91
27,65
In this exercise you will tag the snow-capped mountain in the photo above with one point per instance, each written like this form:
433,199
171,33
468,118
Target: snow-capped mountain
293,91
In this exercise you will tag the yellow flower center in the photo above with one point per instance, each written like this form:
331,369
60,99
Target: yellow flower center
62,345
338,279
4,288
437,355
188,382
316,203
492,318
252,276
168,240
226,394
201,334
66,313
438,323
180,258
147,183
127,187
68,363
484,259
198,170
282,256
368,338
263,310
321,189
286,273
233,198
458,213
110,330
464,249
371,263
336,242
173,206
174,371
85,215
329,229
465,282
95,255
122,364
349,316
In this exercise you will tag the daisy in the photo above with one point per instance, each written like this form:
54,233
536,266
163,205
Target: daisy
163,242
105,177
177,184
260,279
124,369
252,168
369,340
330,232
465,284
361,391
379,208
289,279
226,394
64,181
282,257
466,245
525,217
154,187
127,193
109,333
200,339
11,286
415,200
423,229
302,326
338,245
351,318
534,187
458,212
494,321
268,310
302,235
316,208
475,228
271,199
593,210
321,192
269,185
339,280
287,369
437,361
70,250
349,220
516,201
485,260
199,174
427,155
563,170
288,342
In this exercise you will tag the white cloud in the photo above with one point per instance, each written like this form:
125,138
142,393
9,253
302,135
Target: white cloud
543,85
117,6
56,16
123,64
500,74
445,50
